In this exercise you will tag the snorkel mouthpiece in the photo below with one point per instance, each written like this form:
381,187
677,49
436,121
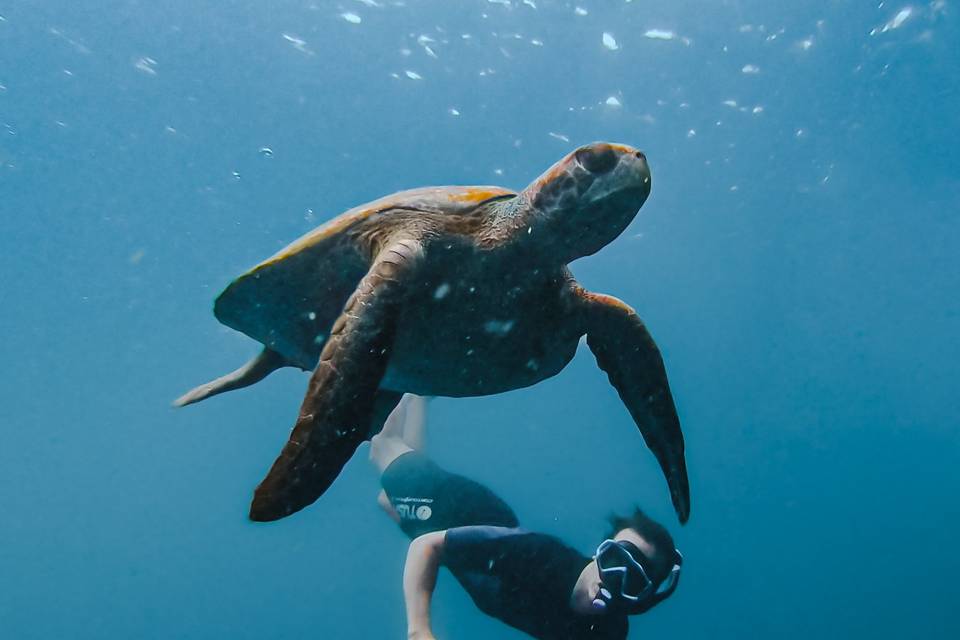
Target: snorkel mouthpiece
600,602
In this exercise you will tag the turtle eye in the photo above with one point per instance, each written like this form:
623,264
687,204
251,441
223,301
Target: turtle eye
598,158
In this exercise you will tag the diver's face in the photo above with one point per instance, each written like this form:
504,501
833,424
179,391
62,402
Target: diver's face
586,592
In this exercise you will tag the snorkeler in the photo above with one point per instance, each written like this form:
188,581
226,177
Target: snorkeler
530,581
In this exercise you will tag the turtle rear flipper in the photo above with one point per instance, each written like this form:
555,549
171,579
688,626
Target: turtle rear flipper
262,365
343,394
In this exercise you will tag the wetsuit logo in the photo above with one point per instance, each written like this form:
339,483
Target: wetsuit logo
424,512
413,508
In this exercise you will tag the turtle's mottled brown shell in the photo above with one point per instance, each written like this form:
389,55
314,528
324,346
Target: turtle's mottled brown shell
289,301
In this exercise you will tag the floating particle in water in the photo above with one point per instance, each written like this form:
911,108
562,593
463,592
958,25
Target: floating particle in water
147,65
558,136
169,129
266,152
423,40
453,112
580,11
730,103
505,3
536,43
312,315
897,21
298,43
609,41
691,133
413,75
137,256
370,3
750,69
441,291
734,188
806,43
499,172
659,34
352,18
498,327
758,109
3,87
235,174
309,216
800,133
530,3
612,101
78,46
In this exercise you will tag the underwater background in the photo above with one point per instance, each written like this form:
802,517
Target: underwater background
798,263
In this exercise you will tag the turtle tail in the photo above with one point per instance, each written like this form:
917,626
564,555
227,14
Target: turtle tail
265,363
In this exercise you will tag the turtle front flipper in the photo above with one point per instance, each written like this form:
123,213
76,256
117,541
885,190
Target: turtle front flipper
262,365
627,352
341,399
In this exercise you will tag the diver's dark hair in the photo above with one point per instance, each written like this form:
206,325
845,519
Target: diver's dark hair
653,532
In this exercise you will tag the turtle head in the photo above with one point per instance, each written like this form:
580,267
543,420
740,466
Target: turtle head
588,198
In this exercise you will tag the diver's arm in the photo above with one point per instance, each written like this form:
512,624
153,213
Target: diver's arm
419,580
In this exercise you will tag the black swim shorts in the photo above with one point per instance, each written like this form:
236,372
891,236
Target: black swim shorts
428,498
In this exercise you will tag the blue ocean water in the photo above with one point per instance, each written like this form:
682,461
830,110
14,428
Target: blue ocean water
798,262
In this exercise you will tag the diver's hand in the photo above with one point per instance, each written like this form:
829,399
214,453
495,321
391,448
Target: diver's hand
421,635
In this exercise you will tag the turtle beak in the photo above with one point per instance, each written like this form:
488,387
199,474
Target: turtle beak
638,162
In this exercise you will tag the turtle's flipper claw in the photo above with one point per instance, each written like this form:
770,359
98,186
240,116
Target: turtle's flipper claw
340,403
625,350
265,363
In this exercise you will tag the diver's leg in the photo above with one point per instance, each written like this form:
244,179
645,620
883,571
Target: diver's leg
387,507
403,431
384,449
415,421
388,445
394,424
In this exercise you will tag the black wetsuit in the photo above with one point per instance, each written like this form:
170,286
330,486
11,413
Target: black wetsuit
522,578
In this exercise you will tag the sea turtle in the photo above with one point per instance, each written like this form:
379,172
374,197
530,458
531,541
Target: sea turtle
446,291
